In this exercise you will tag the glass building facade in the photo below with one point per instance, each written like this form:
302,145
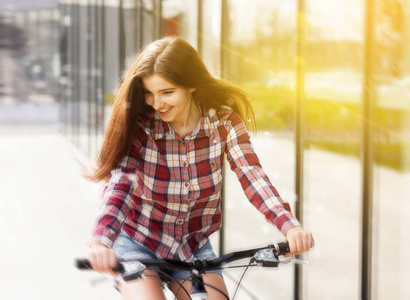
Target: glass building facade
29,52
330,85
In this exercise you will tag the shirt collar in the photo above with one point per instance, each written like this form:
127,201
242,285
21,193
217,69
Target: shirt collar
209,122
154,126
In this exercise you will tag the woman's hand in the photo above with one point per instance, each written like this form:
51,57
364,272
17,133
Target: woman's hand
102,258
299,240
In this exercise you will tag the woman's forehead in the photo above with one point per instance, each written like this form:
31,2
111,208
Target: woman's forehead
156,81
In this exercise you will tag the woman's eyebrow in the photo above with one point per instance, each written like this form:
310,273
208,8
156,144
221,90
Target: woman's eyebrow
167,89
161,90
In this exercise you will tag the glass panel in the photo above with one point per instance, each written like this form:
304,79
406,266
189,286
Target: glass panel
332,179
392,150
94,75
83,82
180,18
80,84
260,58
211,36
148,4
111,45
130,26
148,19
67,70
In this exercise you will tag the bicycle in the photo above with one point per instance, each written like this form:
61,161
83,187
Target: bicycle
132,269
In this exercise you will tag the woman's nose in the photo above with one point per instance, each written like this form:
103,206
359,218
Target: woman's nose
153,101
157,103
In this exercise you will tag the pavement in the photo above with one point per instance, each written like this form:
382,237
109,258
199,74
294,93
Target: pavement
47,211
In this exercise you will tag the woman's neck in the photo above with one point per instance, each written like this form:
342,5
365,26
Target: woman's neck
188,122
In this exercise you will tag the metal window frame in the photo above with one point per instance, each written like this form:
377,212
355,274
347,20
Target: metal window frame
224,41
299,134
367,153
200,26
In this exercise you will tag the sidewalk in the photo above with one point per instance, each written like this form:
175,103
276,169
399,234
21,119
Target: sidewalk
45,216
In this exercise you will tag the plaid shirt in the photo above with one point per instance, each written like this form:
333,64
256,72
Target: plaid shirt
166,192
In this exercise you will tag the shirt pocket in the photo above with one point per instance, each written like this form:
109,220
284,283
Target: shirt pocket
209,176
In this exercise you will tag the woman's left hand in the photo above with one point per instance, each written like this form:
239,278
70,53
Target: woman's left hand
299,240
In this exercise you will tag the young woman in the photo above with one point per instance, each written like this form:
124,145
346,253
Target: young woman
171,127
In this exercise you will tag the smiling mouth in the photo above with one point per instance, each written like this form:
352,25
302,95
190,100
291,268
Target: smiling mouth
164,111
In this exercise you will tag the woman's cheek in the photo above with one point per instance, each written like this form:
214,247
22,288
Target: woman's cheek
149,100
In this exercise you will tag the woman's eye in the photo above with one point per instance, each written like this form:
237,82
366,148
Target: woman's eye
168,92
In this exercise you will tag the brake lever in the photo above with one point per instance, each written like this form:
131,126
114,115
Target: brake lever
295,260
266,258
133,270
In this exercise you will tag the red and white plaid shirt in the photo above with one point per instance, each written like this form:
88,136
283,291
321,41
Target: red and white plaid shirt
166,192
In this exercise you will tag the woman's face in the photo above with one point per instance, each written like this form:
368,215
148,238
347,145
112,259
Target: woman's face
172,102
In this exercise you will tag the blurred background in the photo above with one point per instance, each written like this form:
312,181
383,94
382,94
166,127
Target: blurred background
330,85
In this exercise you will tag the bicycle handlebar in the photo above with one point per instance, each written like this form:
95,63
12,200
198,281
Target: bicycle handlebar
265,256
85,264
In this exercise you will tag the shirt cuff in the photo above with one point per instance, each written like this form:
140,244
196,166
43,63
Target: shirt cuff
289,224
106,240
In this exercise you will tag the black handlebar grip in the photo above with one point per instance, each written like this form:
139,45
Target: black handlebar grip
83,264
283,248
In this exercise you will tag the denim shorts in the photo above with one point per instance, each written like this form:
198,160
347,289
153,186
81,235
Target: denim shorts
126,248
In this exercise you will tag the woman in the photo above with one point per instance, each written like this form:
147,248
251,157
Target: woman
162,157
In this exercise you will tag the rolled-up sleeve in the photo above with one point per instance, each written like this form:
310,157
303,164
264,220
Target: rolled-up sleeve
117,199
256,185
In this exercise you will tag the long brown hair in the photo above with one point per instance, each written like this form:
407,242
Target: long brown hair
177,61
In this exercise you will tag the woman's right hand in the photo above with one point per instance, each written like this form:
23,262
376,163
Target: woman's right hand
102,258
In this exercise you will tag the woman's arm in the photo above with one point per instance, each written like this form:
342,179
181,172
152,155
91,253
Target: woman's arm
117,199
258,188
116,206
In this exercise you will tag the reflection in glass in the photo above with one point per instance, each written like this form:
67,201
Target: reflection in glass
81,82
211,36
392,150
180,18
148,19
260,58
332,128
148,4
129,22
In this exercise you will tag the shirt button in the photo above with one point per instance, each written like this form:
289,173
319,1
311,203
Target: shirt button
186,184
179,240
180,221
184,164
